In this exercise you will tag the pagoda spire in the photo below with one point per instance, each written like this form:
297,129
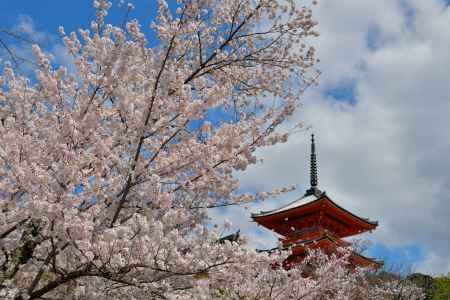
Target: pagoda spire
314,180
313,164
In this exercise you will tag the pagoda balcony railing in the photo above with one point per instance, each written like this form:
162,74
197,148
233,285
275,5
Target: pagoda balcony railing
299,232
302,233
307,234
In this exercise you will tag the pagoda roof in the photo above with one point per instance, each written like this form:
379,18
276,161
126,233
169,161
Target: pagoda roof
310,198
305,199
323,242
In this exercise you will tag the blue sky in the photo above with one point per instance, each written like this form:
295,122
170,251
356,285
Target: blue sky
49,14
368,113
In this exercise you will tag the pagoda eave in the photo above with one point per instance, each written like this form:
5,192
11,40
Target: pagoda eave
317,212
311,206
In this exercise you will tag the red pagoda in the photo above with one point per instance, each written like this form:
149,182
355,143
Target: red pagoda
315,221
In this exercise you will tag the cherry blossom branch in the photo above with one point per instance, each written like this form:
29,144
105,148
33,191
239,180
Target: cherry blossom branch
13,228
142,138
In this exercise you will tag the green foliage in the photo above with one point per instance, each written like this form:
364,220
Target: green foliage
425,282
443,288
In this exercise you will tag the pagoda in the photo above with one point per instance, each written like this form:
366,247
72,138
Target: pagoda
315,221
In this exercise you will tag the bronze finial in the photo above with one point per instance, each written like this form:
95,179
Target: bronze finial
313,190
313,164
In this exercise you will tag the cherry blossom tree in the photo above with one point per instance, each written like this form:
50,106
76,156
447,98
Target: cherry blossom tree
107,173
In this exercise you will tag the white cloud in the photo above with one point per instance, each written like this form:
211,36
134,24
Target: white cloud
386,157
26,27
20,39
